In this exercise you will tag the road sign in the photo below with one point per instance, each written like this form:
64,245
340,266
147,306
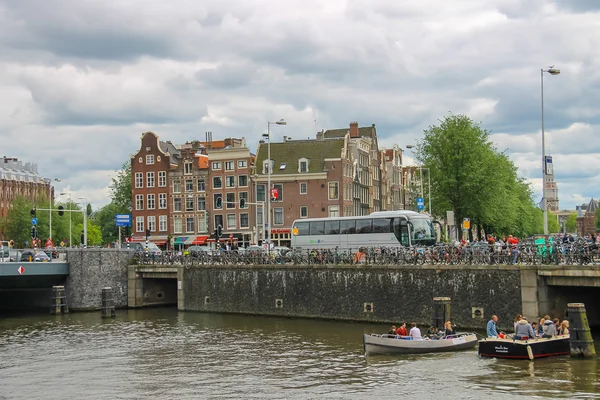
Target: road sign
466,223
420,203
34,221
20,270
123,220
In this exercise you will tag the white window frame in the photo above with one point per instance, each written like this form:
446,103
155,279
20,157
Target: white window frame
139,202
266,165
139,180
201,182
329,190
234,226
275,209
229,165
187,167
303,161
150,179
139,224
227,202
216,165
191,188
177,224
180,204
190,201
247,219
242,164
152,223
232,179
331,208
176,185
202,224
149,159
162,201
187,229
151,201
238,180
162,178
213,182
305,187
162,223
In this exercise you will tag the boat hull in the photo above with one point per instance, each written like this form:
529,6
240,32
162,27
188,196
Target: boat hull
384,344
524,349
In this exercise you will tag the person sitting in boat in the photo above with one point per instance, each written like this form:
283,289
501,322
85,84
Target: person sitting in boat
534,326
393,330
449,329
518,317
402,330
431,332
564,328
415,332
548,328
540,328
524,330
492,327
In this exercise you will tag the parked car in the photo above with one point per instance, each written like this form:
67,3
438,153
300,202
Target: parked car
35,256
196,251
14,255
153,249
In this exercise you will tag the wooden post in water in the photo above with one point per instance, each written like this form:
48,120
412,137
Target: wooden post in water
59,301
582,344
108,306
441,311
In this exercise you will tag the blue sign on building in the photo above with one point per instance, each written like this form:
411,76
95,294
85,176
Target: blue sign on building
123,220
420,203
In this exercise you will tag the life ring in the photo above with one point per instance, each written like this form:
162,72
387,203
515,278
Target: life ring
530,352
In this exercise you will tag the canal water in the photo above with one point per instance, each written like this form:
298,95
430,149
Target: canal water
166,354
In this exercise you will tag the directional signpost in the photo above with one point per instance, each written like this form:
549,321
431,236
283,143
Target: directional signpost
122,220
420,203
34,221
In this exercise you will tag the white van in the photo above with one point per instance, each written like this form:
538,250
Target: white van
153,249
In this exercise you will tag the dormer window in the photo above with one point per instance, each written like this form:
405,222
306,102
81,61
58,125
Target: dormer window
303,165
266,165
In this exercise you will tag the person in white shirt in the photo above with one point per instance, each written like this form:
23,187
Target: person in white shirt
415,332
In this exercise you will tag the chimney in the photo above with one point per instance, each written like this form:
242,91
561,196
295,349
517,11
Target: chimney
321,135
354,129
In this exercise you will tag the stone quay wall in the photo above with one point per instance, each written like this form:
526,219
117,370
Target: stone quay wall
374,294
93,269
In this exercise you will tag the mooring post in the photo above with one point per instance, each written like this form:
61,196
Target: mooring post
581,341
108,307
59,301
441,311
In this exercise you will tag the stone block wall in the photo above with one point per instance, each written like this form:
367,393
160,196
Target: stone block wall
93,269
378,294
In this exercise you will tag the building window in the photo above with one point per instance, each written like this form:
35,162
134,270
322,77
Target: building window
218,220
229,165
216,165
189,185
242,164
139,180
177,204
244,196
334,189
217,201
266,166
139,201
201,203
202,226
162,223
303,187
244,221
334,211
177,225
187,167
176,186
278,216
152,223
230,181
230,200
189,225
217,182
303,212
282,166
149,159
162,178
150,179
243,181
139,224
189,204
201,185
231,221
303,165
259,216
279,187
260,192
151,200
162,201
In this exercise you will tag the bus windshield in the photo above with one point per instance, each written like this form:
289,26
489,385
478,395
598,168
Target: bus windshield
423,232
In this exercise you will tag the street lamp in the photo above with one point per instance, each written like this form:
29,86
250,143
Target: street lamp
70,223
84,221
552,71
268,137
410,146
50,208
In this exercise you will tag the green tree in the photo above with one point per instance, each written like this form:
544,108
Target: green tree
120,189
17,223
597,219
571,223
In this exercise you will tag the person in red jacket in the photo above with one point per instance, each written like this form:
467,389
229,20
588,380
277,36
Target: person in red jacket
402,330
512,244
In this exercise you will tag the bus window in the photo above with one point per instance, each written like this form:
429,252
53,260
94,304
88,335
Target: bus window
401,231
302,228
317,228
332,227
423,231
364,225
348,226
382,225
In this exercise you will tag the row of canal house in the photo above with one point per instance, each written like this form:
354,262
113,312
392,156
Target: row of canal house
181,193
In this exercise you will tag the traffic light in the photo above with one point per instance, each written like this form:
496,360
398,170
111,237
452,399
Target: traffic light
220,230
33,232
32,212
242,203
61,211
147,233
219,202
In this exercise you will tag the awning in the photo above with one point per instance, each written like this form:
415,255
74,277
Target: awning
160,242
196,240
180,240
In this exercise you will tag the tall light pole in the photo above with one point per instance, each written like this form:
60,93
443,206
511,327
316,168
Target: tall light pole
70,221
410,146
552,71
84,221
268,136
50,208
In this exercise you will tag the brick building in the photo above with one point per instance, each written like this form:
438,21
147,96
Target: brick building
586,217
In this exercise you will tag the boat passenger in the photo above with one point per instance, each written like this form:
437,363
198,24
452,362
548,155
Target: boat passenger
518,317
540,328
402,330
534,326
564,327
492,327
549,328
431,332
556,325
393,330
449,329
415,332
524,329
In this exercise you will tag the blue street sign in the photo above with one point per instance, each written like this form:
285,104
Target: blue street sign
33,221
123,220
420,203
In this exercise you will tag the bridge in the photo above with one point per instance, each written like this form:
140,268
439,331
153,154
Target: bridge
20,275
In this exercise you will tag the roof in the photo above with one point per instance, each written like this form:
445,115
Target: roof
168,148
340,133
292,151
592,206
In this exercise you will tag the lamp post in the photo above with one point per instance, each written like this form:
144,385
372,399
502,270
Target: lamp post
268,136
70,223
552,71
84,221
410,146
50,208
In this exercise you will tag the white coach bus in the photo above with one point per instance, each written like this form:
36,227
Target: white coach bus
379,229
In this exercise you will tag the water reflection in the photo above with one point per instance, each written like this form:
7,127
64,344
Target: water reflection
162,353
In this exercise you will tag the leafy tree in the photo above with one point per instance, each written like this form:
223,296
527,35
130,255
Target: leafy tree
120,189
571,223
597,219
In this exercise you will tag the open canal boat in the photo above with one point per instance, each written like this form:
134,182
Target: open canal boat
527,349
394,344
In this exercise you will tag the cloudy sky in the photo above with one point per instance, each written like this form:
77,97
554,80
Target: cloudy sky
80,80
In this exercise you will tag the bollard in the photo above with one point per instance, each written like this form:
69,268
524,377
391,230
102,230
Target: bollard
108,307
581,341
59,301
441,311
